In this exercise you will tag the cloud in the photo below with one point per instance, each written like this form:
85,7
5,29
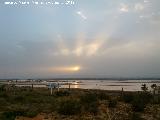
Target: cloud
81,15
87,49
146,1
124,7
155,19
56,38
138,7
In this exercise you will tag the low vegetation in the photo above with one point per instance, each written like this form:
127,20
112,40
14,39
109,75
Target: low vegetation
77,104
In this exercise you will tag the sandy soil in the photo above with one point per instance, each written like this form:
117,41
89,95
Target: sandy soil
38,117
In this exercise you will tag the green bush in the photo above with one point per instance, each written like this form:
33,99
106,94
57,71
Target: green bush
102,96
2,87
31,113
128,98
146,97
88,98
19,99
62,93
69,107
140,100
8,115
89,102
138,105
3,102
136,116
112,103
92,108
156,100
4,95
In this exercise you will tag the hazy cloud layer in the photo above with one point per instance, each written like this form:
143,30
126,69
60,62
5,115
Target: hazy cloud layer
108,38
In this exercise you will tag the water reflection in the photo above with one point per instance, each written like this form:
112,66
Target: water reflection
127,85
75,85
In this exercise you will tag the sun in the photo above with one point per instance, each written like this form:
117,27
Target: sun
66,69
76,68
72,68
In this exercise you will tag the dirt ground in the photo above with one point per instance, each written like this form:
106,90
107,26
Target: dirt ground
38,117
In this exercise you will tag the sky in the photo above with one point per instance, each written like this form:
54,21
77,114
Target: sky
90,38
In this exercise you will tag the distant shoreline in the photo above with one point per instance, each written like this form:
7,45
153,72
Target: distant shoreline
119,79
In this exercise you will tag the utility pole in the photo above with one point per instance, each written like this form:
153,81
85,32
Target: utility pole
69,85
58,86
32,84
51,91
122,92
51,87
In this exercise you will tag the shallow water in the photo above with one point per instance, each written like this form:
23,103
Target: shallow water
127,85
